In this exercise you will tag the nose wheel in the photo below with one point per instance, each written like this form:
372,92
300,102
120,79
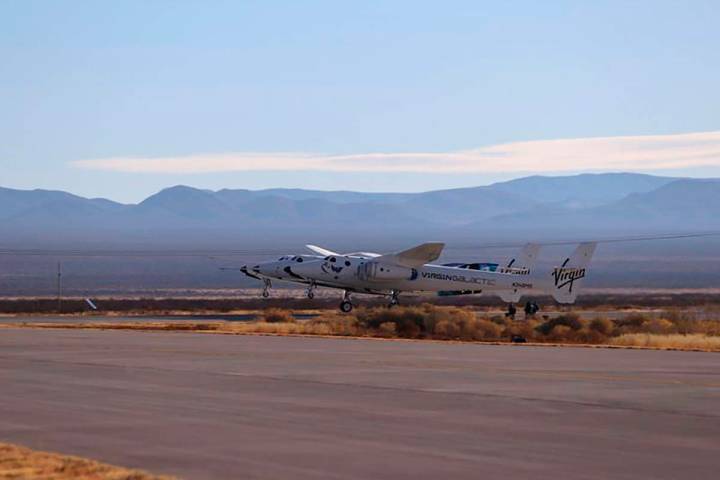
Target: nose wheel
311,291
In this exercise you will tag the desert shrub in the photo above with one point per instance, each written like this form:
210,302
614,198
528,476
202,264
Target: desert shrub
693,341
633,321
587,335
559,333
603,326
486,329
409,321
658,326
467,328
277,315
570,320
430,320
331,323
446,329
526,329
387,329
501,320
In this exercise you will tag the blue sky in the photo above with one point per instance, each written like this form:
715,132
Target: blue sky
120,99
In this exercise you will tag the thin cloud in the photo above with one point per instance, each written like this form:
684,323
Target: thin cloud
650,152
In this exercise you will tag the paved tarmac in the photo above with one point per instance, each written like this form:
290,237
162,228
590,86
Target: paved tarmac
216,406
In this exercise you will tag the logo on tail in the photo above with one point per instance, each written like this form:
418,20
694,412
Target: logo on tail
564,276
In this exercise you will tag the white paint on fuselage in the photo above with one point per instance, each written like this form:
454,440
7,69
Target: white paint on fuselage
347,272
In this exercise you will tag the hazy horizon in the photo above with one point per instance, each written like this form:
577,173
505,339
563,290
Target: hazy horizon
368,191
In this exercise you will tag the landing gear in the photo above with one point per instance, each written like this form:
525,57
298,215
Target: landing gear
346,305
266,288
394,298
511,311
311,291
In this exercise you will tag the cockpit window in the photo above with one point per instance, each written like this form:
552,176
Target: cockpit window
299,259
333,259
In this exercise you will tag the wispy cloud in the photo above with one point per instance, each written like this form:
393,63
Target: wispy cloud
651,152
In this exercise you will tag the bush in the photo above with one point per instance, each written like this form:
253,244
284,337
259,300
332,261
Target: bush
632,322
571,321
559,333
694,341
659,326
276,315
387,329
603,326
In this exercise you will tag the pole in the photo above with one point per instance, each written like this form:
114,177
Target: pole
59,287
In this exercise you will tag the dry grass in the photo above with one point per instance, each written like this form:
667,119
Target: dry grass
456,323
22,463
694,341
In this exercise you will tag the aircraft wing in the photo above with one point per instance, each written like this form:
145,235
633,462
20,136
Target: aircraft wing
416,256
363,254
320,251
325,252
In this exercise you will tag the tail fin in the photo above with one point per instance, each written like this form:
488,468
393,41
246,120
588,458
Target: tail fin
568,277
524,262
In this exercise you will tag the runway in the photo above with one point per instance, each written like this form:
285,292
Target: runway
203,406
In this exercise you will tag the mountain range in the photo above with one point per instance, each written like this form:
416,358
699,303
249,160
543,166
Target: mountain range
590,201
256,224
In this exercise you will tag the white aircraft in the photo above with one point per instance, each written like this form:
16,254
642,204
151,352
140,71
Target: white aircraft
411,271
404,271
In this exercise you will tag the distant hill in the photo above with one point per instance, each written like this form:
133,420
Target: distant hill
583,190
680,205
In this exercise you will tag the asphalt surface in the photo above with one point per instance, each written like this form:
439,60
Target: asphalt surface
217,406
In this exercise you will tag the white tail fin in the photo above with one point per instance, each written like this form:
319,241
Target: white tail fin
568,277
525,261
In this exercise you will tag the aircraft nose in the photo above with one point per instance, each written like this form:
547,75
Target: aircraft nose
244,269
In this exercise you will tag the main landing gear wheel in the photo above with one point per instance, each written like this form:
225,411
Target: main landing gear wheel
394,299
346,307
266,288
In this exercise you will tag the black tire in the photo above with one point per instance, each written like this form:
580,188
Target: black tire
266,294
346,307
311,295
